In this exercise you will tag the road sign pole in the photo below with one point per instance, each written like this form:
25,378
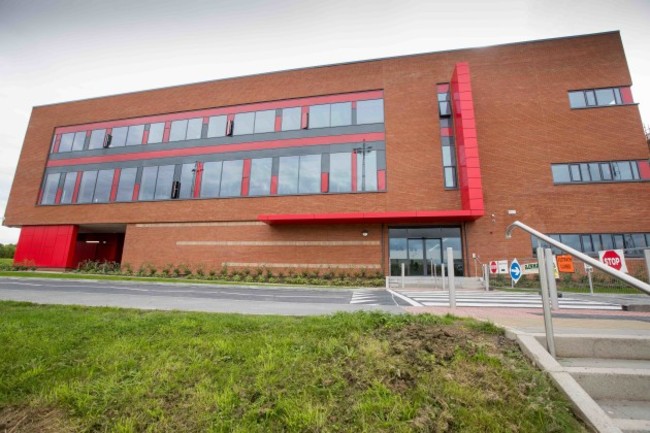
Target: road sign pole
546,305
403,272
591,282
450,273
442,275
486,276
646,253
550,276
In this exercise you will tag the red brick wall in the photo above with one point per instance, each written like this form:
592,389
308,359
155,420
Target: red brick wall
523,121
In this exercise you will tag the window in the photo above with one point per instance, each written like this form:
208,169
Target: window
103,186
367,180
217,126
164,182
87,187
186,129
633,244
340,172
148,183
119,136
231,177
72,141
97,139
446,137
260,179
194,129
291,118
594,172
371,111
341,114
134,136
156,132
288,175
310,174
187,180
68,187
600,97
50,188
319,116
126,183
211,179
264,121
244,123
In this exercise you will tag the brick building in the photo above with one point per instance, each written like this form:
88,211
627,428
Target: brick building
359,165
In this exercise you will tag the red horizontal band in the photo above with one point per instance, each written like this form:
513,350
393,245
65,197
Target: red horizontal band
298,102
371,217
220,148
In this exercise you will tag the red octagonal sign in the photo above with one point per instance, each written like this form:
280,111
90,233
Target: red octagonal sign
614,259
493,267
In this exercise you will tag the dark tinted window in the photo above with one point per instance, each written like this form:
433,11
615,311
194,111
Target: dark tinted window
50,188
244,123
264,121
97,139
291,118
156,131
125,186
260,180
217,126
68,187
371,111
87,187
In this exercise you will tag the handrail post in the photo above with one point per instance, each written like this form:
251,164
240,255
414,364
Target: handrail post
544,278
550,277
450,273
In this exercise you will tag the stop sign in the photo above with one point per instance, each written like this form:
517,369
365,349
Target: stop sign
493,267
614,259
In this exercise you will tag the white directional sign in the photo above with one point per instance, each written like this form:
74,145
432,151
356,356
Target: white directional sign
503,266
515,271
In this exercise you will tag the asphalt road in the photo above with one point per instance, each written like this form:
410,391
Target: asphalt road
192,297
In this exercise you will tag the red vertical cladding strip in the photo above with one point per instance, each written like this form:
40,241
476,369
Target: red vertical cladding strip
354,171
59,193
145,136
274,184
47,246
197,179
136,192
445,132
469,172
354,105
168,126
626,95
116,182
57,143
278,123
324,182
644,169
77,185
246,178
304,118
206,120
381,180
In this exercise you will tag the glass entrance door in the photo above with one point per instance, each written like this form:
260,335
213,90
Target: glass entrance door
433,250
424,256
423,250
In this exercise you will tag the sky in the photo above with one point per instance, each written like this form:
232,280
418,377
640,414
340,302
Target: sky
61,50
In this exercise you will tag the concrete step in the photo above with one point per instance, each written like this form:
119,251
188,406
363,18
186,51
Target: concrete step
603,383
631,416
605,363
599,346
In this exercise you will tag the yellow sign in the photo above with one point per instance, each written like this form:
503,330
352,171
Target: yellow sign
565,263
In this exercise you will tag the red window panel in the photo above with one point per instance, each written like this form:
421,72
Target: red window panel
197,179
304,119
59,193
354,171
77,184
274,184
443,88
168,127
324,182
246,178
136,192
278,123
644,169
626,95
116,181
381,180
57,143
145,136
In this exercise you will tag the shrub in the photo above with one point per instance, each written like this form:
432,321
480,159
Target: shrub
147,270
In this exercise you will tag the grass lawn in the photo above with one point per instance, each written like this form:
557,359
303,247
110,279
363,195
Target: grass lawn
68,368
7,262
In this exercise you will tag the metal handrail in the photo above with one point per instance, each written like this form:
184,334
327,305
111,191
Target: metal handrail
644,287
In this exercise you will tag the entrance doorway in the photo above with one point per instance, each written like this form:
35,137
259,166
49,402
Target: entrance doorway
423,250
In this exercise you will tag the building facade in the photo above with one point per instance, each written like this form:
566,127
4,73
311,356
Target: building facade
364,165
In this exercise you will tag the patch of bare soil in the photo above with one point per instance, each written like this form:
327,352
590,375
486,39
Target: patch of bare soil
27,419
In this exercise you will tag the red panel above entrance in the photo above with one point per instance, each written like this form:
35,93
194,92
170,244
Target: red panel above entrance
371,217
